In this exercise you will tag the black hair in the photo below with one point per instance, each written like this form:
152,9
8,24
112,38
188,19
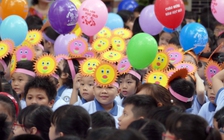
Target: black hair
128,134
139,8
7,59
136,27
142,104
26,64
68,138
5,129
205,15
36,116
211,39
137,124
175,40
126,16
218,57
160,114
34,22
102,119
189,15
219,117
69,80
27,137
51,33
184,88
43,84
190,127
34,2
71,120
100,133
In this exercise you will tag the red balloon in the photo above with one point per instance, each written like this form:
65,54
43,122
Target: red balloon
170,12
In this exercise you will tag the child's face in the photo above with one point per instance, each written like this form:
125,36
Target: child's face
189,58
19,80
52,132
127,86
105,95
164,38
38,96
127,117
136,14
218,29
38,51
130,24
86,88
210,93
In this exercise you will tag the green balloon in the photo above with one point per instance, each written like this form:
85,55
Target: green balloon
142,50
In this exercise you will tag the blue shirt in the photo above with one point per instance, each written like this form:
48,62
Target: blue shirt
207,111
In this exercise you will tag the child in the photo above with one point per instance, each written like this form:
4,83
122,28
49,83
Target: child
40,91
39,50
49,37
100,133
136,107
128,18
164,38
128,134
34,119
102,119
69,120
21,76
34,22
138,10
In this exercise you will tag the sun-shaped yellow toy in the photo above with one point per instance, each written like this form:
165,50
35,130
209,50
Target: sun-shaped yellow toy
118,44
88,66
104,32
26,43
112,56
105,74
4,49
11,45
77,31
124,33
157,77
101,45
161,61
45,65
34,37
13,64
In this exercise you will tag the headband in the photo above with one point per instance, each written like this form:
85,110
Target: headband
71,67
116,84
47,38
55,76
3,64
13,100
135,74
180,97
24,71
41,46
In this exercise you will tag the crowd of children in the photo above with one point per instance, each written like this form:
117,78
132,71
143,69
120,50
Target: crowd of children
100,96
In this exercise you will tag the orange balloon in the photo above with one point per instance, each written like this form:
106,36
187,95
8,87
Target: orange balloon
14,7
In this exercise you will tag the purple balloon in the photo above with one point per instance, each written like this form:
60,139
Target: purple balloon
63,16
149,22
61,43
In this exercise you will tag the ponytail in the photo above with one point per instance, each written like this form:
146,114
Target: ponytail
5,129
213,134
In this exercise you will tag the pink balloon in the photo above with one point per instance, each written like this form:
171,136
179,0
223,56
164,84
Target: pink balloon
217,8
92,16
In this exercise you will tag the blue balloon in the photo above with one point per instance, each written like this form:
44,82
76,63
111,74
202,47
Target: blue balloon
168,30
193,36
114,21
15,28
127,5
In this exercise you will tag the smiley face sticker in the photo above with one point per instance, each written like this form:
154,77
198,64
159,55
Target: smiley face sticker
118,44
90,53
123,65
34,37
124,33
101,45
88,66
175,56
13,64
161,61
157,77
104,32
112,56
211,69
45,65
77,47
24,53
4,49
189,66
105,74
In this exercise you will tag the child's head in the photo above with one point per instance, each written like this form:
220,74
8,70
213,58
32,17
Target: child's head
23,74
128,134
182,92
39,50
218,116
34,119
161,94
210,93
102,119
69,120
189,17
128,18
34,22
129,83
218,28
86,87
5,127
69,68
164,38
100,133
138,10
49,37
27,137
136,107
191,57
201,69
40,91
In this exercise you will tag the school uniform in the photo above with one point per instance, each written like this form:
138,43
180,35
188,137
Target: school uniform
60,102
196,106
207,111
22,103
94,106
219,100
64,93
80,101
119,100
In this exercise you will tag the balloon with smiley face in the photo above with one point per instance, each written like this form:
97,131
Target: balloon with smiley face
13,64
45,65
161,61
189,66
175,56
5,49
24,53
34,37
101,45
88,66
77,47
124,33
118,44
123,66
157,77
112,56
104,32
105,74
211,69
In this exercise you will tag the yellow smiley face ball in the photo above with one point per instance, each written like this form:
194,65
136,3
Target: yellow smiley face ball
118,44
112,56
89,65
158,78
104,32
45,65
34,37
101,45
160,62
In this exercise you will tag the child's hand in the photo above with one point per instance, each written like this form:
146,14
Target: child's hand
76,81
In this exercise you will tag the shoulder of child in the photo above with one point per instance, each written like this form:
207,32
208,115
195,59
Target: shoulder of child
60,102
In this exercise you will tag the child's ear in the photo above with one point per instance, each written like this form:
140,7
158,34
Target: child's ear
61,134
33,130
64,75
49,45
51,103
159,104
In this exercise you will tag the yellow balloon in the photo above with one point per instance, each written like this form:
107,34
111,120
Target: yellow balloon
77,3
